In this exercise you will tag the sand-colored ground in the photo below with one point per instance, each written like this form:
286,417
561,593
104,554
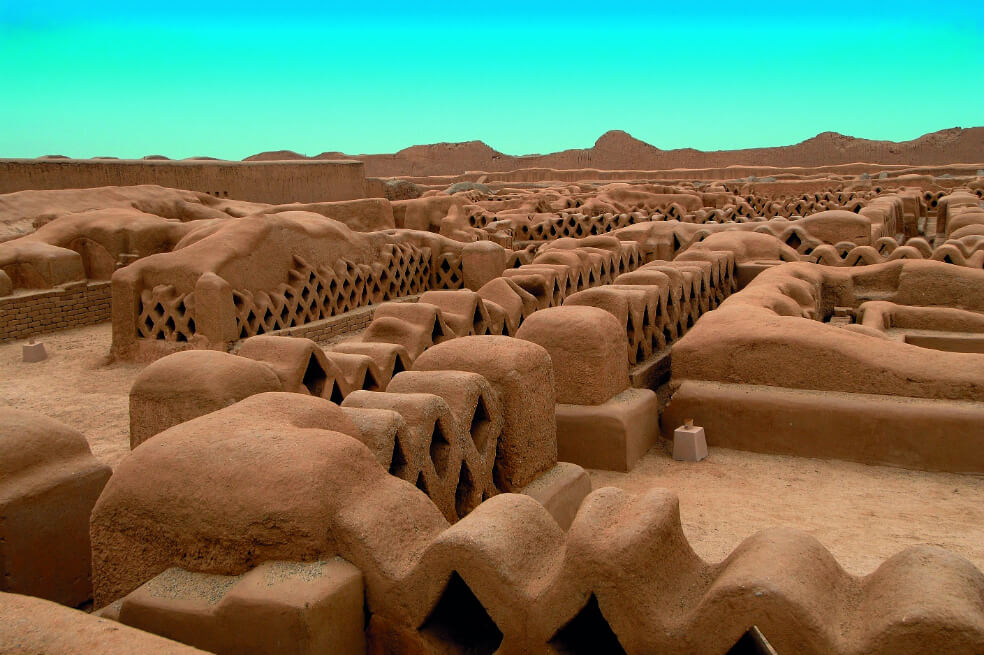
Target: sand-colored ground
863,514
77,385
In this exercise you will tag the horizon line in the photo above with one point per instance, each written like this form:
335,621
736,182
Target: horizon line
496,150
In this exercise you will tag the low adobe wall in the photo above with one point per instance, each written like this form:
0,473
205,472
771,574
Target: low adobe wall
913,433
765,373
337,326
50,310
274,182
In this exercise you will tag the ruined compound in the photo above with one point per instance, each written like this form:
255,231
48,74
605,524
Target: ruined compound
366,410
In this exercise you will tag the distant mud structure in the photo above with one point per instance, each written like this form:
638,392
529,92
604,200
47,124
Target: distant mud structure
256,181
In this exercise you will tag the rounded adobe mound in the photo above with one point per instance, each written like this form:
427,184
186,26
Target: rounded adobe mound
275,476
213,373
837,225
29,440
49,482
482,262
748,246
587,348
499,356
192,383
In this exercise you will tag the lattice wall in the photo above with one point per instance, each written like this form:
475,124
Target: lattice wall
310,294
315,293
575,225
447,274
165,314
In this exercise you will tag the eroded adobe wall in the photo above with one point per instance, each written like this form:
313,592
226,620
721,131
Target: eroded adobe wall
272,182
506,569
270,273
33,625
521,582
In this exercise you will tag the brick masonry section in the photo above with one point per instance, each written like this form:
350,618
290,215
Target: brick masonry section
28,315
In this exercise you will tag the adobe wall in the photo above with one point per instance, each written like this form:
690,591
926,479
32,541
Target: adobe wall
23,316
337,326
504,576
773,334
912,433
765,372
273,182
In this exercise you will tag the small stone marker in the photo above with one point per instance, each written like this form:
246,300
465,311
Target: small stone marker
34,352
689,443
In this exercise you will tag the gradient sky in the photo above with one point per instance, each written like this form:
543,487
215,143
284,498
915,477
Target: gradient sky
230,79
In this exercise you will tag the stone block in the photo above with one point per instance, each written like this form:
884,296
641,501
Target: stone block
34,352
689,443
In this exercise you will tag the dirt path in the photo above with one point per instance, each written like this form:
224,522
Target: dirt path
863,514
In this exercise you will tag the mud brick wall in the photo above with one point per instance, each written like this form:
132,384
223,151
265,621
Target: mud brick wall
335,328
23,316
259,181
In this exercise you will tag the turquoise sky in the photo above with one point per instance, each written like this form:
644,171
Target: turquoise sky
231,79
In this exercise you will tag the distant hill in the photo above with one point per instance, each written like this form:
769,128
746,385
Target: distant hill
276,155
618,150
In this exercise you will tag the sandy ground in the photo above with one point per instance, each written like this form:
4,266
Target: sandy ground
77,385
863,514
